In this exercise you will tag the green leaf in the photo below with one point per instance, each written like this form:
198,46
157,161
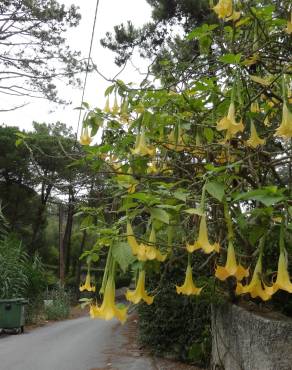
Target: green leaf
85,104
205,44
209,134
18,142
201,31
230,58
268,195
109,90
148,199
194,211
122,254
180,195
160,215
216,189
86,222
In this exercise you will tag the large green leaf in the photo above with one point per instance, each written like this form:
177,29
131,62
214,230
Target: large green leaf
230,58
268,195
216,189
122,254
160,215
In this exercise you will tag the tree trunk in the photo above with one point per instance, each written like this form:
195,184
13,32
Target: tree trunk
61,247
40,217
68,231
78,269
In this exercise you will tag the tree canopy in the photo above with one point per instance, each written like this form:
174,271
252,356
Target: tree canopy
199,157
34,52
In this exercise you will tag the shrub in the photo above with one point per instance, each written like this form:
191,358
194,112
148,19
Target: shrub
59,308
175,325
14,281
21,276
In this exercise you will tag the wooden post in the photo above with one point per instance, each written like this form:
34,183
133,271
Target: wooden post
61,247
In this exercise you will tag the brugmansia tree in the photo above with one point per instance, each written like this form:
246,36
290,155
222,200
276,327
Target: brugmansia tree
203,167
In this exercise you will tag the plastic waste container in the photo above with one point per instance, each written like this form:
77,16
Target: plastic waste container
12,314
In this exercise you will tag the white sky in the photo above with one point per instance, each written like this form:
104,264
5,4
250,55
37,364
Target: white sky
110,13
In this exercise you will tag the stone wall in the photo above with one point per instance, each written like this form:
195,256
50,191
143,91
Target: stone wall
244,340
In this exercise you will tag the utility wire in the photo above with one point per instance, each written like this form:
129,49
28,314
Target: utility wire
87,65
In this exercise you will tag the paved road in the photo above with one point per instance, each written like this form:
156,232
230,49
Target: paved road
79,344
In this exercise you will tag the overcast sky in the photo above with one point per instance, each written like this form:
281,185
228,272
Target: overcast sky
110,13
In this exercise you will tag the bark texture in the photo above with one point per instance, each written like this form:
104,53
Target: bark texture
244,340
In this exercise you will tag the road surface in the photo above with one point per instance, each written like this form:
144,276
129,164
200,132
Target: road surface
79,344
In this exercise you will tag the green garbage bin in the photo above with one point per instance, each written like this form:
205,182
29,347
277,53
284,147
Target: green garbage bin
12,314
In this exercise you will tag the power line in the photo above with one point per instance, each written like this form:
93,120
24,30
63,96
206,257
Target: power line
87,65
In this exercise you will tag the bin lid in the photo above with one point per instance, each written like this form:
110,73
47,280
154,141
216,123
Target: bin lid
13,300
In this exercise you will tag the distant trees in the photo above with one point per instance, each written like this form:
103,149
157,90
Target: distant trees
33,51
35,173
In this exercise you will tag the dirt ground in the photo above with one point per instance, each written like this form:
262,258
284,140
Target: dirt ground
132,348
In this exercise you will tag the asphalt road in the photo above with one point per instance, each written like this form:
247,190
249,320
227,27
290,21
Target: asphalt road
79,344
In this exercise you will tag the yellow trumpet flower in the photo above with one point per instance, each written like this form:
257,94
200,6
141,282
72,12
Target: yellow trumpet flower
203,241
141,147
85,138
139,293
107,106
254,140
152,168
188,287
229,123
116,108
144,252
289,25
256,287
285,129
87,286
262,81
108,309
224,157
131,239
231,267
251,60
173,144
255,108
149,253
224,10
283,280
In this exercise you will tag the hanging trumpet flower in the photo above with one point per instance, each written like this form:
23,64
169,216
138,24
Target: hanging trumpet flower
115,108
108,310
289,25
188,287
141,147
224,10
131,239
285,129
149,252
231,267
85,138
254,141
175,142
124,113
144,252
229,124
260,80
203,241
283,280
139,293
256,287
107,108
87,286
